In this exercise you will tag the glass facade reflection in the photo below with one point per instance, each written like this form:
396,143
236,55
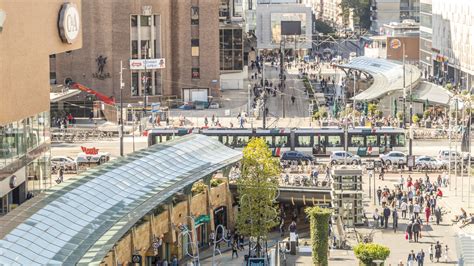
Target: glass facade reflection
277,18
231,49
24,160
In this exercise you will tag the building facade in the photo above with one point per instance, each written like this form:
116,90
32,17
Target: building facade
160,39
452,38
49,28
386,11
426,33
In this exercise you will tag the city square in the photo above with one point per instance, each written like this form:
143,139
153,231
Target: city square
236,132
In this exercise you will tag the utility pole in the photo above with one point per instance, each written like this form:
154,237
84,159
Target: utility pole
404,88
354,101
121,107
456,150
145,85
264,92
410,140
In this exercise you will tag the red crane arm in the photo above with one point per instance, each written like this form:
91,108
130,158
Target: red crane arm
100,96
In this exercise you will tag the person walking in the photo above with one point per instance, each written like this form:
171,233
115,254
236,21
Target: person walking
438,251
446,253
234,249
427,213
416,209
386,215
395,219
437,214
379,194
431,252
420,257
416,230
404,207
411,258
376,218
409,230
402,181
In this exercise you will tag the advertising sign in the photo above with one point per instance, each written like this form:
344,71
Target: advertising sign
141,64
69,23
395,43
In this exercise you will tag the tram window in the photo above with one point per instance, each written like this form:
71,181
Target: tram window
228,140
281,140
399,140
316,140
371,140
334,141
268,141
242,141
385,141
169,137
357,140
215,137
304,141
157,139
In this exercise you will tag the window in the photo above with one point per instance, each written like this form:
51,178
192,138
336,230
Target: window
400,140
194,15
194,47
145,21
195,73
135,84
357,141
242,141
145,47
147,80
304,141
134,49
281,141
385,141
133,20
371,140
334,141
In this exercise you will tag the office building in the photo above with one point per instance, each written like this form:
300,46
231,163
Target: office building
30,33
386,11
426,33
177,40
452,38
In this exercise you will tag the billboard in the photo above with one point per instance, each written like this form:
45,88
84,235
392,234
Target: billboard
141,64
291,28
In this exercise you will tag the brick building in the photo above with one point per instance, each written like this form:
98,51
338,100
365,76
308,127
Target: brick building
117,31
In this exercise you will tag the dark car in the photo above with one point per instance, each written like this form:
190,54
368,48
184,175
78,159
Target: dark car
296,156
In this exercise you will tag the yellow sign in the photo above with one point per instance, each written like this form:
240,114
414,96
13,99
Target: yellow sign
395,43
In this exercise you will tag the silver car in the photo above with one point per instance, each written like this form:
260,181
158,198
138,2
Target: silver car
343,157
394,157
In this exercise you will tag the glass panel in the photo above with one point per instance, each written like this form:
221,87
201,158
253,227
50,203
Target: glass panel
357,141
133,20
194,15
134,49
399,140
145,21
145,45
371,140
135,85
385,141
281,141
334,141
304,141
242,141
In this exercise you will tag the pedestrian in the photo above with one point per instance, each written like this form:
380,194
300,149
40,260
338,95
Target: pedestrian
431,252
404,207
437,251
427,213
282,227
395,219
234,250
379,194
416,230
410,208
212,237
376,218
174,261
416,209
241,242
409,231
420,257
411,258
386,215
165,262
206,122
402,181
446,254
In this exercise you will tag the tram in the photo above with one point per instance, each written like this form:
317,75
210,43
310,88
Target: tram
363,141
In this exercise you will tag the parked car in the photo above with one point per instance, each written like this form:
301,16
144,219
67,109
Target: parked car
428,162
63,161
394,157
214,105
187,106
343,157
296,156
444,155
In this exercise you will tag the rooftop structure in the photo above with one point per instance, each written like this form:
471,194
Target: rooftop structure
80,220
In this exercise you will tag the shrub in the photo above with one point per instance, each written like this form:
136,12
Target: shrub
198,188
372,108
367,253
426,113
400,116
319,218
216,182
415,118
379,113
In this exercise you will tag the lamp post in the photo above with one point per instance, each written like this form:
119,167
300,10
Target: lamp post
121,107
222,238
410,140
133,126
404,87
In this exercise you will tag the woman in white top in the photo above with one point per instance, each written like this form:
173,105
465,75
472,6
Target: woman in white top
404,208
416,209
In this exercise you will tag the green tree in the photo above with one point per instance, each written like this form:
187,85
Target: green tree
361,9
323,27
367,253
257,188
372,108
319,224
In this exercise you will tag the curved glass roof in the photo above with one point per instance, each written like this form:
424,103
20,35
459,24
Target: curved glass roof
80,220
387,74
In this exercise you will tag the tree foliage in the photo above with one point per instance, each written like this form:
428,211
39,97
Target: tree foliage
323,27
361,9
367,253
257,188
319,219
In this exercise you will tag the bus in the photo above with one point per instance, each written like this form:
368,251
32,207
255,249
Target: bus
363,141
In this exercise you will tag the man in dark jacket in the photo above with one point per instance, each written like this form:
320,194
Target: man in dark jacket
416,230
409,230
395,219
420,257
386,215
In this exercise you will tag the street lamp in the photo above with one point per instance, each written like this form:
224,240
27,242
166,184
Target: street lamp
133,125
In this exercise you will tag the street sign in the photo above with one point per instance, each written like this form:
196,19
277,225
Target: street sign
256,261
141,64
136,259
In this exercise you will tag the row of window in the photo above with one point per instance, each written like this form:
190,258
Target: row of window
354,141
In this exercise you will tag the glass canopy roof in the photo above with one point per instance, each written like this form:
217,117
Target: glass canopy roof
80,220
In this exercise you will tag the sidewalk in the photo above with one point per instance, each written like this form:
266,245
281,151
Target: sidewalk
445,233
